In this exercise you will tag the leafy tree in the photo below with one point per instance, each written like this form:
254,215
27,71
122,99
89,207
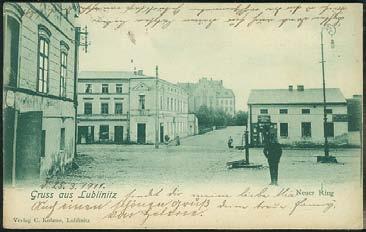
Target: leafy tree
204,117
240,118
208,117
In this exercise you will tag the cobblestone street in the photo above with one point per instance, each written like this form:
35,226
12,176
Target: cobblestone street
202,159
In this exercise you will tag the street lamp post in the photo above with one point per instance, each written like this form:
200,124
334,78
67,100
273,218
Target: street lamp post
326,158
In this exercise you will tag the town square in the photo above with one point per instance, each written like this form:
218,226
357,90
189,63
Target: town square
212,115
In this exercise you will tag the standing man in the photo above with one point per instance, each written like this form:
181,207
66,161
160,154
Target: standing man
230,142
273,151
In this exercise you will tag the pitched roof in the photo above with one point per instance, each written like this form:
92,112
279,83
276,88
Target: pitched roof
284,96
225,93
108,75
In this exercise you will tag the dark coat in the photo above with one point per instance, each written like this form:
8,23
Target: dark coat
273,152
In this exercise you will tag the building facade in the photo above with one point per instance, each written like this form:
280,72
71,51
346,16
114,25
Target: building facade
296,115
128,107
210,93
354,107
39,79
103,97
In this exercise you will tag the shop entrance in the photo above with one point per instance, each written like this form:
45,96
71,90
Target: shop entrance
118,134
141,133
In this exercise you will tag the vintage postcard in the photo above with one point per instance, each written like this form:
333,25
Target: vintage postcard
182,115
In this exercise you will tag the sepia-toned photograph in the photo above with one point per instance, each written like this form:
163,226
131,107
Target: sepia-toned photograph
182,115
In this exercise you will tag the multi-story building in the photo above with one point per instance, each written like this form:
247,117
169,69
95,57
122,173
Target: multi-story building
210,93
125,107
296,115
39,98
103,106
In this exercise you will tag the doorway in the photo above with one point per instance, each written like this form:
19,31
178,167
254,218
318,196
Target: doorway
118,134
8,143
85,134
82,134
28,149
161,133
141,133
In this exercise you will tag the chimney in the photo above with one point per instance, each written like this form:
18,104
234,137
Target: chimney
290,88
140,72
300,88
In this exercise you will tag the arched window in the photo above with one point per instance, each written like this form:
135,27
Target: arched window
12,20
44,36
64,48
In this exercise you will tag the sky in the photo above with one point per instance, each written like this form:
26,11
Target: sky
257,57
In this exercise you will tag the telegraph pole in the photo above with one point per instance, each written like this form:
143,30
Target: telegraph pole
157,108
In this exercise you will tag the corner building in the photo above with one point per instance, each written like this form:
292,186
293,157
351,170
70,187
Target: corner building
135,109
38,93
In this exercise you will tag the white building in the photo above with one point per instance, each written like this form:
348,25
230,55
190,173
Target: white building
296,115
124,107
210,93
103,107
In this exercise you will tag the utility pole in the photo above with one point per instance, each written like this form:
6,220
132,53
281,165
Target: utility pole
157,108
326,146
326,158
78,43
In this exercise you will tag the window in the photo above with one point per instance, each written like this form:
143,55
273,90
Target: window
104,132
283,111
43,59
63,73
329,111
118,108
305,111
167,103
62,139
11,50
88,88
264,111
118,88
142,102
306,129
284,130
161,102
88,108
104,88
329,129
104,108
171,104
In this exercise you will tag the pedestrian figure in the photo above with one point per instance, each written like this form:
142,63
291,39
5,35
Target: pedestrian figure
273,151
177,139
230,142
166,138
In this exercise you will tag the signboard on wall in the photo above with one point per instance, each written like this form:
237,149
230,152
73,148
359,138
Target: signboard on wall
264,119
340,117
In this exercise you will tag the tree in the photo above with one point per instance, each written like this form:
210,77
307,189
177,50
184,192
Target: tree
240,118
204,117
208,117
